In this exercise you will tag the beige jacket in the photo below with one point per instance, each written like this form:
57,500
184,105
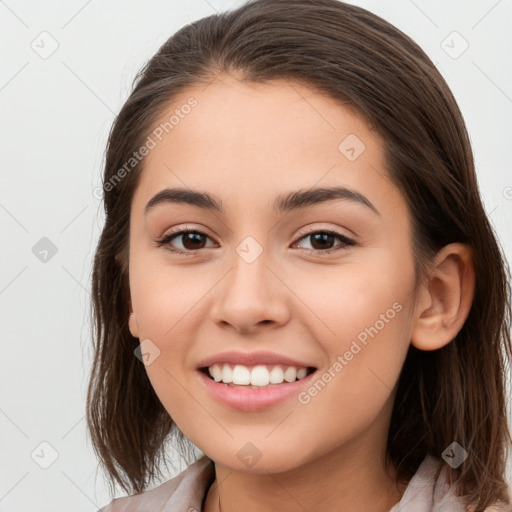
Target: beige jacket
187,491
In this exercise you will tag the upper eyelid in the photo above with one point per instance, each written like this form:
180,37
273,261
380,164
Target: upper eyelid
305,232
302,232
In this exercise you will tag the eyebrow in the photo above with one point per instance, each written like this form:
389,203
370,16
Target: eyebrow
283,203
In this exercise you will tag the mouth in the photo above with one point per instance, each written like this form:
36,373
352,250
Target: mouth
255,376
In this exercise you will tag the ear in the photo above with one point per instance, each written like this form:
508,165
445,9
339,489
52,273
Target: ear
445,301
132,323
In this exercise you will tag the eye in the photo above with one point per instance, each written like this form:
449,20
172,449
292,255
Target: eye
191,241
322,241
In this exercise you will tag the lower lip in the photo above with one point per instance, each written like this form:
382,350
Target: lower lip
252,399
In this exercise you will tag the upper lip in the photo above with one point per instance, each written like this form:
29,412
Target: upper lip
251,359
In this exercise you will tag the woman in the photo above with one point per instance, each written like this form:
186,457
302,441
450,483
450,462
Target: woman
297,275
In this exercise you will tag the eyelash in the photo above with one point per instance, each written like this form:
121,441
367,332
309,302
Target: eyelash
346,242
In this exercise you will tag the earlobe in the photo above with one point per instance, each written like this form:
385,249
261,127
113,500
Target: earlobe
132,323
446,300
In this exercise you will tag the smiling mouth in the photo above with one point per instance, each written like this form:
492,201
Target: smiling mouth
257,376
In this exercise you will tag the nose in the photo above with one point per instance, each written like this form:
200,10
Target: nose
251,297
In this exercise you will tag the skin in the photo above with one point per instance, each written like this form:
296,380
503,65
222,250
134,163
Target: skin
245,144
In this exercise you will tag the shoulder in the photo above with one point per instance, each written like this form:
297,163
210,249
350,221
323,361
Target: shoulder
498,509
429,490
183,492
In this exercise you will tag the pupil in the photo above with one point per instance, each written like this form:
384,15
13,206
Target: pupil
323,237
191,237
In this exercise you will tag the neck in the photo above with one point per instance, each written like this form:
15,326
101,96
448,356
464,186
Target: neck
348,479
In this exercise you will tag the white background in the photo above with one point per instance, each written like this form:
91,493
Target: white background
56,113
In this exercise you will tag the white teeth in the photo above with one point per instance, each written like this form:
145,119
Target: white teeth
259,375
276,375
290,374
301,373
216,372
227,374
241,375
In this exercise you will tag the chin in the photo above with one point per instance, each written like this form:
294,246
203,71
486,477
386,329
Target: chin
273,464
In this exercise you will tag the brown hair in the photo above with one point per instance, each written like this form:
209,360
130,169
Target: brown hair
456,393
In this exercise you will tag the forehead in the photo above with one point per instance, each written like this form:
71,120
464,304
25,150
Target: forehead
245,141
246,115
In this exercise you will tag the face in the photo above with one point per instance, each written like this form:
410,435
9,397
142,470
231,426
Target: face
325,283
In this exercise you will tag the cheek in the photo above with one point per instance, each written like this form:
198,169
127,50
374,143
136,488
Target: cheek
339,302
365,358
360,316
164,296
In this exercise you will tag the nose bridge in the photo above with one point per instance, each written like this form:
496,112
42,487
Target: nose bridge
250,276
250,293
